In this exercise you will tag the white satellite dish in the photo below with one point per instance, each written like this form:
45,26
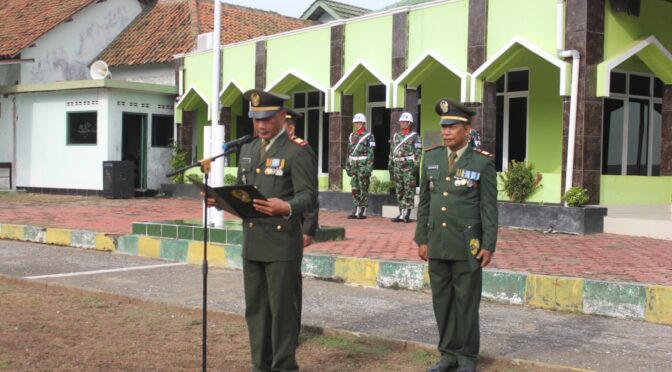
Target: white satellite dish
99,70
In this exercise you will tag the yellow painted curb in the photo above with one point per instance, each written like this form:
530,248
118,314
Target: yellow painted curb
216,254
195,253
15,232
555,293
149,247
58,236
104,243
658,308
357,270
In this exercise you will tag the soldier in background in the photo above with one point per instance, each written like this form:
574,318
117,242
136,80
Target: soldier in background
359,165
309,219
403,165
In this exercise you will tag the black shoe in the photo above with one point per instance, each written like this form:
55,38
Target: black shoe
439,367
400,217
354,215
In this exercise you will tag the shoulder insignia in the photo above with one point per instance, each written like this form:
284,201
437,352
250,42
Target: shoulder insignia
483,152
434,148
300,142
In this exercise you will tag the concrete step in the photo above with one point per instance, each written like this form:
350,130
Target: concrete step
651,228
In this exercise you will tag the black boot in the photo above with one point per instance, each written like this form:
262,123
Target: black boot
355,214
400,217
407,216
362,214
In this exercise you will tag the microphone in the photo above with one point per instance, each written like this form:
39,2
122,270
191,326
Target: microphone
237,142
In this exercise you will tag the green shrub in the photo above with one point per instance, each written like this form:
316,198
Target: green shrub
520,181
197,176
229,179
377,186
576,196
178,159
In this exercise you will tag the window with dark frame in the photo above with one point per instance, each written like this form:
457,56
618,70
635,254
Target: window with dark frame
82,128
632,125
162,130
511,117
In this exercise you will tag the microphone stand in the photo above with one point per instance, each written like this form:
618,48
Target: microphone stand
205,166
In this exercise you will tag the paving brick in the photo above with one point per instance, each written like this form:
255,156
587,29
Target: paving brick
607,257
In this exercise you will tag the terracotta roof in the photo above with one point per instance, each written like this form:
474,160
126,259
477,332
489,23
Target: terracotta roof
171,27
24,21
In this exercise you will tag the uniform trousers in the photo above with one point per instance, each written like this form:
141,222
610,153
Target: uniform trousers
456,297
272,312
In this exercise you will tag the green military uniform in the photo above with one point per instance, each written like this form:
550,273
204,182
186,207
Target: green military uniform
359,167
273,246
309,219
403,164
457,212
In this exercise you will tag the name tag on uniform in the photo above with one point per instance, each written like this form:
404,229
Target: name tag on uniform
433,167
245,160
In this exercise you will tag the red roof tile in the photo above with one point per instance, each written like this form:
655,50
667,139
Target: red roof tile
22,21
171,27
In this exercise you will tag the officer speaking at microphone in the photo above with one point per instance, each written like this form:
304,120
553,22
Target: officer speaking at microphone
284,171
457,233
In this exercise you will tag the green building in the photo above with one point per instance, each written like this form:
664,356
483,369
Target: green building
511,60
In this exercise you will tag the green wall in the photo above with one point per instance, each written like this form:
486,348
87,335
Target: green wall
423,34
307,53
371,41
635,190
533,20
621,30
443,84
549,192
545,116
198,72
238,64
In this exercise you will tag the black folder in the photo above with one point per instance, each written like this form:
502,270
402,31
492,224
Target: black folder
236,199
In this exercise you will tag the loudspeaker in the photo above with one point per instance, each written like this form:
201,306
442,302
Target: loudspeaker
118,179
99,70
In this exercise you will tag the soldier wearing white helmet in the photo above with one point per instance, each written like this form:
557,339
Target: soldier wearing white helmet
404,160
359,165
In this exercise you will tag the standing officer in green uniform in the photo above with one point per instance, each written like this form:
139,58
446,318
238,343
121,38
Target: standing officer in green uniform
309,219
359,165
457,232
404,161
284,172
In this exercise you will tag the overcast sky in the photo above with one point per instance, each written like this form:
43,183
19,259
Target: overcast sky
295,8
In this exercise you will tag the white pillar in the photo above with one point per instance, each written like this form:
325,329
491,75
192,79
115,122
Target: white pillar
217,135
